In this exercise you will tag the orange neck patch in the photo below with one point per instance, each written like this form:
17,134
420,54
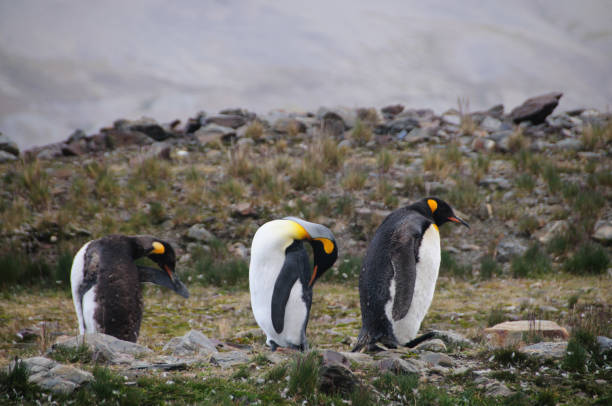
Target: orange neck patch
433,205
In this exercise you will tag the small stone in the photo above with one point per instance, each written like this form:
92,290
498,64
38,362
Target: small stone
391,111
569,144
227,120
435,345
198,232
510,247
358,357
6,157
452,337
546,349
551,230
334,357
496,183
605,343
453,119
512,332
497,389
603,231
288,125
436,358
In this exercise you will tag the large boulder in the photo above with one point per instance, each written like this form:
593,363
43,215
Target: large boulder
512,333
536,109
227,120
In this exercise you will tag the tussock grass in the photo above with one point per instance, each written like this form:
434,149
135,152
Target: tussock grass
590,258
347,269
19,269
385,193
35,182
354,178
449,266
496,315
361,134
255,131
213,267
596,137
14,385
534,262
307,177
527,224
525,182
384,160
517,141
304,375
489,267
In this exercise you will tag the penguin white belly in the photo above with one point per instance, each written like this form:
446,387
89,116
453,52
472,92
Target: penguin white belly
76,278
89,310
427,269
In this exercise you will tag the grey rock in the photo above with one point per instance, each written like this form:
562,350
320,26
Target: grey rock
569,144
358,357
605,343
491,124
227,120
436,358
336,378
435,345
105,347
49,152
334,357
510,247
391,111
245,142
536,109
145,125
496,183
198,232
400,366
192,343
400,124
417,135
347,115
453,119
8,145
6,157
345,144
214,129
603,231
497,389
55,377
551,230
546,349
229,359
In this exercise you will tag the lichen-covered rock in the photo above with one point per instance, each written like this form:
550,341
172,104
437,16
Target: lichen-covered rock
400,366
513,332
230,358
603,231
546,349
53,376
435,345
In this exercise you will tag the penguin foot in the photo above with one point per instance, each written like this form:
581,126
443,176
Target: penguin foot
272,344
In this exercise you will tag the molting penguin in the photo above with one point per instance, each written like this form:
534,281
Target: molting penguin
106,282
399,274
281,278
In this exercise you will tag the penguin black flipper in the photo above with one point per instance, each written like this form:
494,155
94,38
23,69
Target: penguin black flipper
157,277
295,267
405,242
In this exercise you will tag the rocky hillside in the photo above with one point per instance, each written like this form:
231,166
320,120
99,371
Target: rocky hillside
535,187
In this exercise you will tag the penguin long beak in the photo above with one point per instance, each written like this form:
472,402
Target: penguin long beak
458,220
314,275
170,274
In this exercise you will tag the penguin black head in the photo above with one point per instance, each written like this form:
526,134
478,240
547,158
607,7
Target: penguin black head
323,242
439,211
163,255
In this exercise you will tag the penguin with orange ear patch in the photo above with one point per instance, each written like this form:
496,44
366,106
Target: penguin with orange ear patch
106,282
399,274
281,277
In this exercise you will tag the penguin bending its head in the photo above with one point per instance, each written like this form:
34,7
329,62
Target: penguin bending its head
399,274
106,282
281,277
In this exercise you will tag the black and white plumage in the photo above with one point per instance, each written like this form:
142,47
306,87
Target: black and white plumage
106,282
281,277
399,273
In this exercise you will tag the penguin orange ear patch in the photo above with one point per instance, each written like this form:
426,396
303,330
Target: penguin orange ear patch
328,246
433,205
158,248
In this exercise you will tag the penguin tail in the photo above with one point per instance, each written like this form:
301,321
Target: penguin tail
420,339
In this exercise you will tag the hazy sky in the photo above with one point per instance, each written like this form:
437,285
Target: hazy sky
82,64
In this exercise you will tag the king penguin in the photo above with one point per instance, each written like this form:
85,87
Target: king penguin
106,282
281,277
399,273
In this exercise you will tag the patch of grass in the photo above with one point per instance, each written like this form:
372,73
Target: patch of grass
157,213
397,387
562,243
105,184
534,262
450,267
414,185
525,182
464,194
434,162
489,267
384,160
361,134
304,375
588,204
354,179
240,163
233,189
361,396
276,373
496,316
480,166
596,137
306,177
325,154
550,173
527,225
80,354
18,268
590,258
517,141
35,182
347,269
509,356
255,131
14,384
385,193
213,267
452,154
600,178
